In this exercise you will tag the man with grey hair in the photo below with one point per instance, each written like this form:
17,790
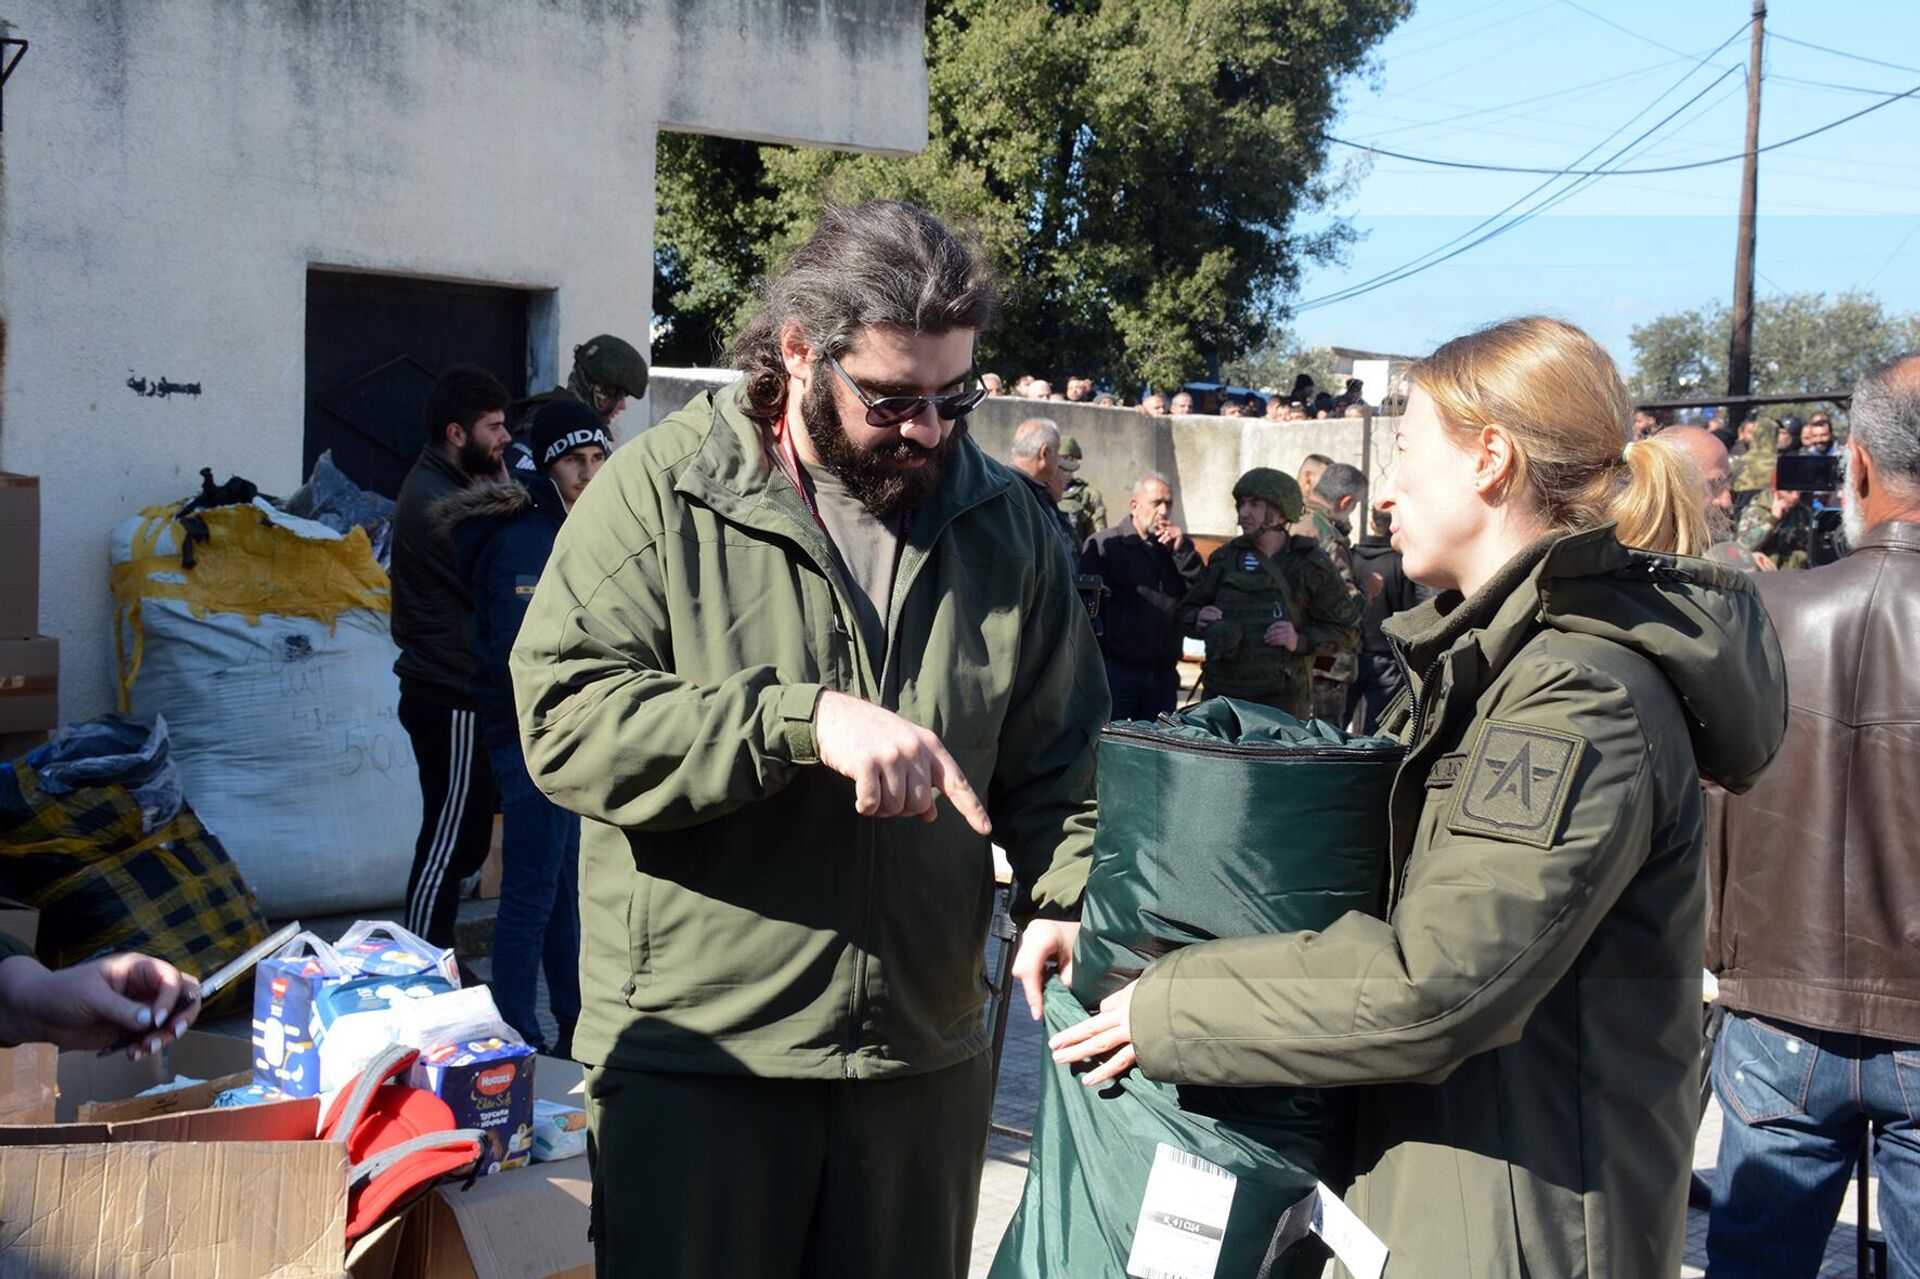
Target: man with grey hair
1036,456
1148,565
1813,880
733,668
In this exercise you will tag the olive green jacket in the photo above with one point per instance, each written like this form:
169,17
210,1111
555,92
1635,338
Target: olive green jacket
1529,1012
1247,587
737,915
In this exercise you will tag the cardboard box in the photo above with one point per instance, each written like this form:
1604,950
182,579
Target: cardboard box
29,684
14,745
528,1223
218,1192
28,1073
19,556
96,1089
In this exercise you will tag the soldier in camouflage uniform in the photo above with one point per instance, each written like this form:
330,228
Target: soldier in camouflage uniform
1753,469
607,372
1338,491
1082,503
1269,602
1780,529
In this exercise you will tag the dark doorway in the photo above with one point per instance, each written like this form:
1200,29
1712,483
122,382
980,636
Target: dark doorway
375,346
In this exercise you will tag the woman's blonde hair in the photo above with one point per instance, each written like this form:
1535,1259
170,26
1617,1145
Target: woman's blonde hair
1560,398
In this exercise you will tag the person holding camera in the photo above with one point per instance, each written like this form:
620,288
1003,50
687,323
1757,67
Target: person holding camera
1810,928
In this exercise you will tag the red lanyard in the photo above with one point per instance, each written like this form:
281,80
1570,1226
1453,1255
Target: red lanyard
790,463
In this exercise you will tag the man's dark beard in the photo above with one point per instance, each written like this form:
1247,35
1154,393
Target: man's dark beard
477,460
870,475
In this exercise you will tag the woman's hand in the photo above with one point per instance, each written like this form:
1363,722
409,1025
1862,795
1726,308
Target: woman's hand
1108,1031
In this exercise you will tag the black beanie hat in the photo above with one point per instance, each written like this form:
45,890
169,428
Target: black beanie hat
560,426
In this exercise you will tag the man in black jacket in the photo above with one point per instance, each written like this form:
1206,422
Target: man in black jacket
433,625
1388,590
1148,564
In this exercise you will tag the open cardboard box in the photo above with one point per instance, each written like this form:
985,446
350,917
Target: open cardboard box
149,1186
529,1223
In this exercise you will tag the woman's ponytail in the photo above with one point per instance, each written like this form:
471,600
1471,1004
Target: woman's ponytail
1659,506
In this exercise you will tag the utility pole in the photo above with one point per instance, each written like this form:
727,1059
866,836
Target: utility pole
1740,351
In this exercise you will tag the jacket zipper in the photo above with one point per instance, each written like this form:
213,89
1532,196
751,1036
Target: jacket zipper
1420,700
903,583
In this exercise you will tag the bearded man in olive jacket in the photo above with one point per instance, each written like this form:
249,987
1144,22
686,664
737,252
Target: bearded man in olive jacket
787,618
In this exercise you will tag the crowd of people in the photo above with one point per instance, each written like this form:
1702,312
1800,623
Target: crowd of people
705,676
1302,404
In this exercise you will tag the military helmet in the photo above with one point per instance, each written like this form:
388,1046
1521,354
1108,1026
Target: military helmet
1276,487
1070,447
610,361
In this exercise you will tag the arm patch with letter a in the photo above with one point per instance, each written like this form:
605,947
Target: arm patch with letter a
1516,784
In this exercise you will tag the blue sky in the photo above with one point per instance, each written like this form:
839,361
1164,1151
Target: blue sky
1837,211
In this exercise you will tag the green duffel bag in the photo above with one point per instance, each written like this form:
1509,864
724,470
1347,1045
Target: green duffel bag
1229,820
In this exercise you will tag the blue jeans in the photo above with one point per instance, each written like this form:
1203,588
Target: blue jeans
539,920
1796,1103
1141,692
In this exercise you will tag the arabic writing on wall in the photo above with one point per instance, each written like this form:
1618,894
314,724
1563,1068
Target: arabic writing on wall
160,387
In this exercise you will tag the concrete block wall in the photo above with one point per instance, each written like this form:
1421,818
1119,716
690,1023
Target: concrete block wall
1201,455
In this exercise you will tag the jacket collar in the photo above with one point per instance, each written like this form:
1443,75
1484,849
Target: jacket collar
734,472
434,460
1894,535
1505,609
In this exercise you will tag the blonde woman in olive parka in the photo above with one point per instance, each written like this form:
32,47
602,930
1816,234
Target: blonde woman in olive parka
1527,1014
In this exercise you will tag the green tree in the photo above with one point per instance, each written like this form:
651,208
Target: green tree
1277,361
1801,342
1136,168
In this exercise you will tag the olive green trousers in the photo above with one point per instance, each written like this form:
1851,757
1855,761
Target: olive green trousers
700,1176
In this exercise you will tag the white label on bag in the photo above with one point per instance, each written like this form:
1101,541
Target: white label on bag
1183,1217
1358,1248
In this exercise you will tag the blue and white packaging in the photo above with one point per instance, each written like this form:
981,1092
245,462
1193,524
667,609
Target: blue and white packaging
286,1054
488,1084
307,985
559,1131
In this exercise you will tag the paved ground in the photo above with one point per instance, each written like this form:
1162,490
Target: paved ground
1003,1177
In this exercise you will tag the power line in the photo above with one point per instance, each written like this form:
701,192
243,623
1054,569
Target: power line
1455,39
1626,30
1842,53
1602,173
1905,240
1422,263
1498,108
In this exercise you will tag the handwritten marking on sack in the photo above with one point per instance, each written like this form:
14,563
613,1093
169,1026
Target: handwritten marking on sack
160,387
1183,1217
1517,783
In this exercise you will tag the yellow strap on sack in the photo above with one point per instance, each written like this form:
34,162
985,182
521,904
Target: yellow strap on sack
247,566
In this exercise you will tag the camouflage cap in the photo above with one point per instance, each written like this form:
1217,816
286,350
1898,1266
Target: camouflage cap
612,361
1070,447
1277,487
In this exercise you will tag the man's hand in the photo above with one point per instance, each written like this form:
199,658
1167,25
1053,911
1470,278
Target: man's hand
1282,635
1044,944
1168,534
1208,616
1108,1031
97,1004
1765,562
897,767
1783,502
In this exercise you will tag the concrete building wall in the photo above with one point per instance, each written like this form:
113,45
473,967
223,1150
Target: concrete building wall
176,168
1202,455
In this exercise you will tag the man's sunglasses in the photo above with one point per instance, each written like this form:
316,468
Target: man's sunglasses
892,410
